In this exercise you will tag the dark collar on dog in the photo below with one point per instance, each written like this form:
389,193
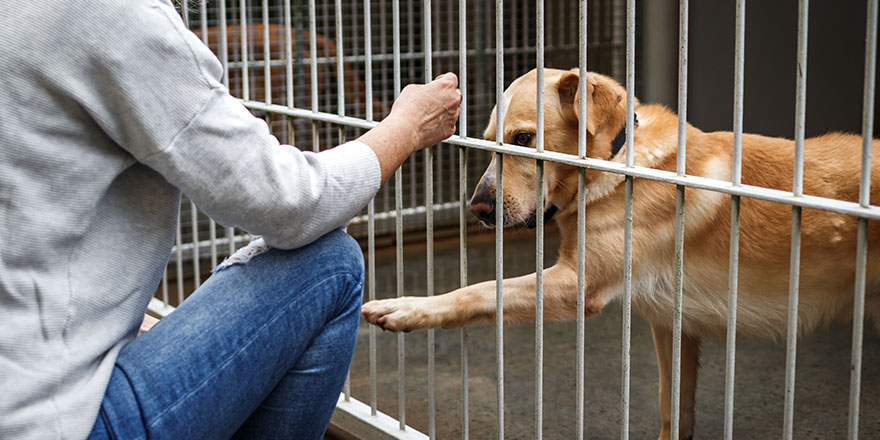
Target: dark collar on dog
620,139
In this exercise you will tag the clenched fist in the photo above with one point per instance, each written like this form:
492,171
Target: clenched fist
423,115
431,110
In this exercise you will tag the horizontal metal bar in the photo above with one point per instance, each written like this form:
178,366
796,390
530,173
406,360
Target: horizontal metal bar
440,54
159,308
353,417
756,192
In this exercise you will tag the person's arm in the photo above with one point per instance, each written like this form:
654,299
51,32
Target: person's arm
154,88
422,116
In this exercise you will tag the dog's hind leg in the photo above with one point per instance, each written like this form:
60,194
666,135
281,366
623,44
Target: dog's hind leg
690,363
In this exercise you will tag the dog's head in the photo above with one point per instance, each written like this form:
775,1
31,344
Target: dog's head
605,116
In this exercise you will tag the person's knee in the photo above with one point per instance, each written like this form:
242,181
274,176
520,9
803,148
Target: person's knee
341,255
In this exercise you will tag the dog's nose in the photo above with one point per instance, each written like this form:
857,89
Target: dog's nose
483,209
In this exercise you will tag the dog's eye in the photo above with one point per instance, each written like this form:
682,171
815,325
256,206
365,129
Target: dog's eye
522,139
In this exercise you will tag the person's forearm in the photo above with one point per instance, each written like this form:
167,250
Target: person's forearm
392,142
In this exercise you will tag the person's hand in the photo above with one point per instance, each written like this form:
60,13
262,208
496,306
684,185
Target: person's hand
428,110
422,115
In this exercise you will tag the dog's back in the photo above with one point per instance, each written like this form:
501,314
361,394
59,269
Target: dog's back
832,164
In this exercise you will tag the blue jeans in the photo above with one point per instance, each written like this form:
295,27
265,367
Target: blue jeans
260,350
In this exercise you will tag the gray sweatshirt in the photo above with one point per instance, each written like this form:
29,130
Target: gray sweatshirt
108,110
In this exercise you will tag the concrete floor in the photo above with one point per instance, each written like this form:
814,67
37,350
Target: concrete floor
822,367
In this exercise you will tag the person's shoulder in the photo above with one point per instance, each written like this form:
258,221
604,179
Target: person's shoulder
118,14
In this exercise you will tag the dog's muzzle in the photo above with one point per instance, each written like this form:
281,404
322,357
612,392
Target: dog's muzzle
532,221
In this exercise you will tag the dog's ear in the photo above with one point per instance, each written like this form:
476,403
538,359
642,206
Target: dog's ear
603,98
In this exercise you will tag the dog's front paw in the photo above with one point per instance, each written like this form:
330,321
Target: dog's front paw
400,314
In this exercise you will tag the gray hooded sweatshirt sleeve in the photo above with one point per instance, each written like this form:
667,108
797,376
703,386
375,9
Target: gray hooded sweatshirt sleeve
108,110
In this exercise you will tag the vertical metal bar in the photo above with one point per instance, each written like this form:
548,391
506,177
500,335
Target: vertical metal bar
429,223
371,249
355,96
288,64
736,177
499,214
245,70
868,104
627,310
855,382
165,288
582,82
539,225
230,237
499,289
326,95
411,50
797,189
858,328
581,286
401,348
197,274
791,352
732,281
224,45
212,236
371,207
267,55
499,71
340,63
429,220
682,86
462,257
450,154
432,17
368,57
676,325
340,72
288,54
630,78
313,62
398,202
203,19
679,216
626,319
462,210
178,263
184,13
581,216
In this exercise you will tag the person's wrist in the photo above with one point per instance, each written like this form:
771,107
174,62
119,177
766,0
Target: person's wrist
408,129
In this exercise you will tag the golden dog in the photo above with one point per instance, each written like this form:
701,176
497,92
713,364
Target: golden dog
831,169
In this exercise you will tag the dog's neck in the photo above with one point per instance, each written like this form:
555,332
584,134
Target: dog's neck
620,139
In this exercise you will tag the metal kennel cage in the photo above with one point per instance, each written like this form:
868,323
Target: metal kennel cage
321,72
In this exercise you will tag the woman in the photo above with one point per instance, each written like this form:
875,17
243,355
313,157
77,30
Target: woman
109,110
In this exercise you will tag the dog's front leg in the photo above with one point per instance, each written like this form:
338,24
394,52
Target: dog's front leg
476,303
690,362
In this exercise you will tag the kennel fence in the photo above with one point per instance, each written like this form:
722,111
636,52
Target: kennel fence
272,60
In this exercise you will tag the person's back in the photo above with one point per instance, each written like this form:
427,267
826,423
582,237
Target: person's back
108,110
85,227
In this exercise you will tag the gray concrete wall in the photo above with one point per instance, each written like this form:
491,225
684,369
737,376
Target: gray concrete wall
835,64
